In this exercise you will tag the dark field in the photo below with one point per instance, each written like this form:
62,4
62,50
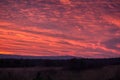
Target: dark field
72,69
37,73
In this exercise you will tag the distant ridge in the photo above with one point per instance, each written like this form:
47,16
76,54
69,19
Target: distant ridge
2,56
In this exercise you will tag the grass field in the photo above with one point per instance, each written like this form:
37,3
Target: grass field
52,73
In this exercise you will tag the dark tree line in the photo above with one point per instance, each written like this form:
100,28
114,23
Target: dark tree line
71,64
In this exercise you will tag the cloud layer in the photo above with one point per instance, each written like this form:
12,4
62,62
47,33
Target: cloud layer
88,28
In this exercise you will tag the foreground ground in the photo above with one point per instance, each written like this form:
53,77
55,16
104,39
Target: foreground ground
35,73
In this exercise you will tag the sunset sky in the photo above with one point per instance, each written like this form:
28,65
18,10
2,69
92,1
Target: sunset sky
82,28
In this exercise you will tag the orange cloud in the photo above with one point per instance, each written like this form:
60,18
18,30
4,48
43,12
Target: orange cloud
65,1
112,20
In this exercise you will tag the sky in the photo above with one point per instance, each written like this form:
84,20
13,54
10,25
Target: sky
81,28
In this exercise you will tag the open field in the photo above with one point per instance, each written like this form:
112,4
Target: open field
52,73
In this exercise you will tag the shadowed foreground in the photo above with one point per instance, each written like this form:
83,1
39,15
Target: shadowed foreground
52,73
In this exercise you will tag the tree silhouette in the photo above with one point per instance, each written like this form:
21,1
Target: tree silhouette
38,76
76,64
49,78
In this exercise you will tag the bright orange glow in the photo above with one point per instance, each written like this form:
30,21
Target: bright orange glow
65,1
5,52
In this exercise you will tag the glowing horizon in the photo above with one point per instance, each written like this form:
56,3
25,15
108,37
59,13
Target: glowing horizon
88,28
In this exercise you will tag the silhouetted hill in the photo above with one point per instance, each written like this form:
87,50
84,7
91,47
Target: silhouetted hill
55,61
2,56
